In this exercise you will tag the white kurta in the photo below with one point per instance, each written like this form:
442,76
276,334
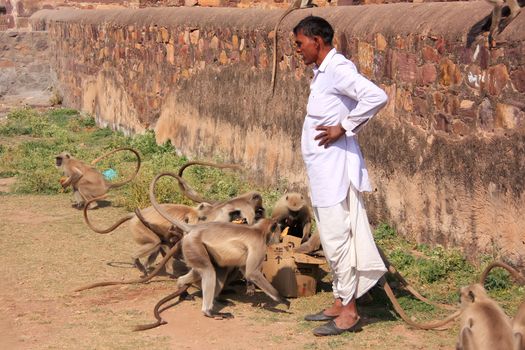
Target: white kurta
338,94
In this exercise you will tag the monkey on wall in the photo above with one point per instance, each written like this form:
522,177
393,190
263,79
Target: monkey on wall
295,5
87,182
515,10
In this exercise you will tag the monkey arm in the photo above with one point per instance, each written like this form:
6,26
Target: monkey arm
73,179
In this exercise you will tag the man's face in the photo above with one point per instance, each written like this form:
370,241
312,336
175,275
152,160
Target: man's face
307,47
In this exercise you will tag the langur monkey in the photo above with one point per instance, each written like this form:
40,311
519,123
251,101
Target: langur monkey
296,4
518,328
153,234
87,182
291,210
484,325
496,14
226,245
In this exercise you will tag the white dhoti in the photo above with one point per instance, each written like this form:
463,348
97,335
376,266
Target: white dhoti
349,247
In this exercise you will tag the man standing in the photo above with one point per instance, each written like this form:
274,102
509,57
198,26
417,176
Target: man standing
341,102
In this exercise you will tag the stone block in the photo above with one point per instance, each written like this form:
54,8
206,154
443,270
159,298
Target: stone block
214,43
426,74
451,104
440,45
507,116
381,43
467,109
365,58
223,58
441,122
439,101
449,73
194,36
235,42
404,66
518,79
496,79
430,54
460,128
170,53
404,101
421,106
474,76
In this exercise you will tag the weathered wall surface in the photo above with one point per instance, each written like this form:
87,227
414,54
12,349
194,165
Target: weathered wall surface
446,154
25,73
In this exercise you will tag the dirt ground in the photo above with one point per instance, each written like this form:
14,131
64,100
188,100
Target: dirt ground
47,251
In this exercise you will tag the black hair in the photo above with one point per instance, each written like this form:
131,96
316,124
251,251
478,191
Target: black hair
315,26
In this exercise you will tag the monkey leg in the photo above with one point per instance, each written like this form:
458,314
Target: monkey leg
519,342
253,273
149,249
466,339
79,200
496,19
191,277
208,281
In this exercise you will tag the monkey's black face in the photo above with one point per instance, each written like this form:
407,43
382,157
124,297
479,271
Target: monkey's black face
58,161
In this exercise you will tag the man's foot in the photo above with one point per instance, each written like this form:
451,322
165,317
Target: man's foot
346,320
320,316
331,328
328,313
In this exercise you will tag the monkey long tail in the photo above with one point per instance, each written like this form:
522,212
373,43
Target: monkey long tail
156,312
432,325
274,58
184,227
101,230
507,267
407,285
175,249
121,183
190,192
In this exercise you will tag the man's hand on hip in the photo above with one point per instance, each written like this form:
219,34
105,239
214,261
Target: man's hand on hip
329,134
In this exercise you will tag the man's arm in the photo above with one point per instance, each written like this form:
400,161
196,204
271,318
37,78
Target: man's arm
370,98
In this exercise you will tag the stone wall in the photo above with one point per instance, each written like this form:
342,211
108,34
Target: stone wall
14,14
25,73
446,155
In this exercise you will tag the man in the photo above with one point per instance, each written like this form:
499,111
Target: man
341,102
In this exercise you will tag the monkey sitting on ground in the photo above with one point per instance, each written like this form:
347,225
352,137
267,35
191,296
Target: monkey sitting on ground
292,211
226,245
518,328
483,325
153,234
87,182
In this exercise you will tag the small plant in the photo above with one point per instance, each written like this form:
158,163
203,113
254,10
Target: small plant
498,279
384,231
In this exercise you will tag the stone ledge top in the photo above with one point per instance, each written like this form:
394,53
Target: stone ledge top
452,20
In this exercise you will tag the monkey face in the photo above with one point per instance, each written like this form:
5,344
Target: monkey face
59,159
